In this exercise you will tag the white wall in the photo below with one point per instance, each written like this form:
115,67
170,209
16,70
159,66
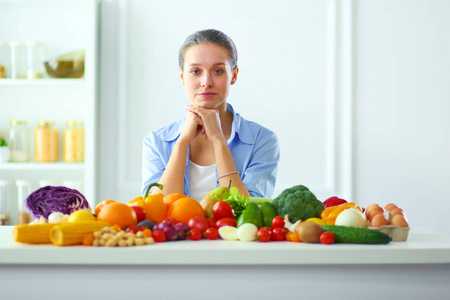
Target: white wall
398,97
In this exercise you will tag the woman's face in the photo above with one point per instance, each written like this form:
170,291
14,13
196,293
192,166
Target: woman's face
207,75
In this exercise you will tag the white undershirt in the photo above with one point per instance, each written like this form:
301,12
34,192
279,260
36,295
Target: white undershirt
203,180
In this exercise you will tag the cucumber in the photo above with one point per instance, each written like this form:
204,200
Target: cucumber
354,235
268,212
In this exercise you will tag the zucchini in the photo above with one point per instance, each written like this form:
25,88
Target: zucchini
355,235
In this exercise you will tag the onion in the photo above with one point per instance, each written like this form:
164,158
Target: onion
351,217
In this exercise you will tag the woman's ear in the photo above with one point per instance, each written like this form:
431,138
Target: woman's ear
235,74
181,75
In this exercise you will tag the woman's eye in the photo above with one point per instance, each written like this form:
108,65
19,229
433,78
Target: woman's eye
218,71
195,72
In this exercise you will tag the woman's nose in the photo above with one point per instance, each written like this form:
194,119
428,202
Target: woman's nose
207,81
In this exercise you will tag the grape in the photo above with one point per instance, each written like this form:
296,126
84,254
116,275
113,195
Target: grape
168,229
182,230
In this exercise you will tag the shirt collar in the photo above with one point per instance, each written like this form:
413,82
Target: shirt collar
239,128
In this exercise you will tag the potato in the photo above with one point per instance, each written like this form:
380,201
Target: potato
309,232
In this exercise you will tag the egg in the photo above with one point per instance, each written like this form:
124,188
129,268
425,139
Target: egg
399,220
397,211
372,210
390,206
228,233
378,220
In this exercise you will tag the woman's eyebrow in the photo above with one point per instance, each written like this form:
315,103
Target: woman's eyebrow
214,65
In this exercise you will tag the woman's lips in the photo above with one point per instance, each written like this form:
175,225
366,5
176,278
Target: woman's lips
207,95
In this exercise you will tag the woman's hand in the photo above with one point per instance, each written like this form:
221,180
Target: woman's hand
192,127
210,124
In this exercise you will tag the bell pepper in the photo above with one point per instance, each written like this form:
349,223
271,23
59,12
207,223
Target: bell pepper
333,201
155,209
329,215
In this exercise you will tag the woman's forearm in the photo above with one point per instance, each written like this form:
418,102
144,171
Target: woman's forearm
173,177
225,165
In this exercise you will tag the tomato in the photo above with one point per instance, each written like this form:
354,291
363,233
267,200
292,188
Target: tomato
169,220
212,233
132,229
212,222
142,228
326,237
194,234
278,234
198,222
263,235
226,222
222,209
140,212
278,222
159,236
268,228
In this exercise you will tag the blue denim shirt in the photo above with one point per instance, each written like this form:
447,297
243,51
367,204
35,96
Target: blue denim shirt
255,150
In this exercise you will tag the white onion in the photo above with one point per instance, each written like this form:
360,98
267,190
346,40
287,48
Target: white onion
351,217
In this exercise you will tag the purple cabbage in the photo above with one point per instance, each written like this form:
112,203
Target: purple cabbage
48,199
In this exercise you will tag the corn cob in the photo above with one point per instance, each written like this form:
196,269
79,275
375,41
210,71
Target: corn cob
73,233
33,234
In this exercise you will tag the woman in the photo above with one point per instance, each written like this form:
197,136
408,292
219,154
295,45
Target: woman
212,145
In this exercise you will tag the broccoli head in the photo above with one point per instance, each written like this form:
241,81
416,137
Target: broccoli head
299,203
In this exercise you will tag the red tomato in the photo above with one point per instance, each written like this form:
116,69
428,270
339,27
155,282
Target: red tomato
140,212
278,234
132,229
226,222
159,236
278,222
195,234
141,228
212,233
326,237
263,235
222,209
169,220
212,222
198,222
268,228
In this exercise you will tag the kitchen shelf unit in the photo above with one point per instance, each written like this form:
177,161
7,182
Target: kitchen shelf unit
62,26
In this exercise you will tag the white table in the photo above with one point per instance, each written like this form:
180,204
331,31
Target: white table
416,269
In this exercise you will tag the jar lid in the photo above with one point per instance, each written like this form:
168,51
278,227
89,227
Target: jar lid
73,123
43,123
15,122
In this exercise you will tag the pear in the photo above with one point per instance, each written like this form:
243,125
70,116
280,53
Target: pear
217,194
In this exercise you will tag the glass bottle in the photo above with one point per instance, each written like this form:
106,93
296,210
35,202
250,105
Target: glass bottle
73,142
45,142
5,60
35,60
18,60
24,189
19,141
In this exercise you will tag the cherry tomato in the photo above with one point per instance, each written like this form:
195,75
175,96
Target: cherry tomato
222,209
268,228
226,222
159,236
140,212
212,222
278,234
278,222
132,229
198,222
194,234
212,233
169,220
326,237
263,235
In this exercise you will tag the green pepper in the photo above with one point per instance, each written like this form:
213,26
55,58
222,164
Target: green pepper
251,214
268,212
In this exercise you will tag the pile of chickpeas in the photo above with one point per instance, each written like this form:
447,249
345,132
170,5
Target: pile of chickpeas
110,238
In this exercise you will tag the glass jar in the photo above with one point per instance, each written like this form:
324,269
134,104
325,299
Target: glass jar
5,60
18,60
19,141
24,189
35,60
4,196
73,142
45,142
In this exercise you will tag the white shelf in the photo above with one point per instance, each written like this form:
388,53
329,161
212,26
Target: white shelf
34,166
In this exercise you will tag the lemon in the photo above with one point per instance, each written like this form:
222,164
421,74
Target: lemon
317,220
80,216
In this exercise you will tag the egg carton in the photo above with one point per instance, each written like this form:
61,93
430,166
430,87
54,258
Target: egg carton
397,233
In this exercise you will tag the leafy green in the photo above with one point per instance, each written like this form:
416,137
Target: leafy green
3,142
238,202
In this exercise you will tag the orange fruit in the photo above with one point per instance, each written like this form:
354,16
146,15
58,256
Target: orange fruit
99,206
117,213
184,209
171,198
